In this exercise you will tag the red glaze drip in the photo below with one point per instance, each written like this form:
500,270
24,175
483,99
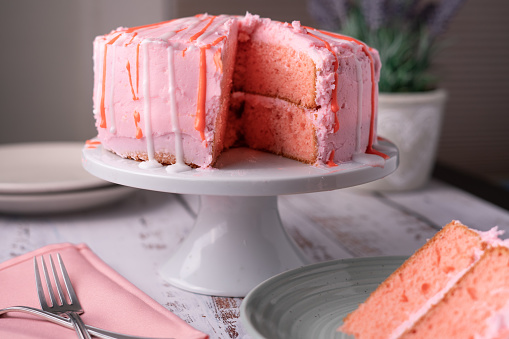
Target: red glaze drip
103,110
334,103
158,24
139,133
131,30
199,122
92,144
128,66
370,149
204,29
215,42
331,162
218,40
217,61
184,52
132,38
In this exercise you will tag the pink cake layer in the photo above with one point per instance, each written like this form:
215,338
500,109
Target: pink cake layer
476,307
134,65
416,301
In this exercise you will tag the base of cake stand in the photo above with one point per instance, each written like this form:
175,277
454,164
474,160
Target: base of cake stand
238,239
236,243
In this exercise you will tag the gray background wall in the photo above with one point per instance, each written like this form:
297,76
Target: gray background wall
46,69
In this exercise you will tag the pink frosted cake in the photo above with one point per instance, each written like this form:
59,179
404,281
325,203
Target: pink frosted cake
182,91
455,286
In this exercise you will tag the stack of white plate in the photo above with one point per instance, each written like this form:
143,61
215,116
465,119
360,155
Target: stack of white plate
41,178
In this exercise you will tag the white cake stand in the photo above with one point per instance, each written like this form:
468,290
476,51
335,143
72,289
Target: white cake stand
238,239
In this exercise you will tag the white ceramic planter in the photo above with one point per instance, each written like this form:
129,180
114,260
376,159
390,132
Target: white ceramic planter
412,121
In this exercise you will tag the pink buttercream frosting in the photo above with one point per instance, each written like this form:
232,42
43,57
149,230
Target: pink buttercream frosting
132,70
492,237
120,105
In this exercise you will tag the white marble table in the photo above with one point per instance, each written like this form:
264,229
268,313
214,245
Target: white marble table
138,234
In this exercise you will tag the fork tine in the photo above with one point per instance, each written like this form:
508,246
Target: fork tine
48,283
38,282
57,281
73,299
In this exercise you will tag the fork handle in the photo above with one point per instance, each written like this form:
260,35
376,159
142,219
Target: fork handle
79,325
96,332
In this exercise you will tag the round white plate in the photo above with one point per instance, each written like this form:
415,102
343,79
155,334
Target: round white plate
46,167
310,302
239,172
29,204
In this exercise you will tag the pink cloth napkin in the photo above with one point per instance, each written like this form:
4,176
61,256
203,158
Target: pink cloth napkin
109,300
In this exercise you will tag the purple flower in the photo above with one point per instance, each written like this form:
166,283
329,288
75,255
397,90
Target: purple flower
442,15
330,14
373,11
435,15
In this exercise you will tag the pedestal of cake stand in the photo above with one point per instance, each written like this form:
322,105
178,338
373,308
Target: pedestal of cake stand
238,239
236,243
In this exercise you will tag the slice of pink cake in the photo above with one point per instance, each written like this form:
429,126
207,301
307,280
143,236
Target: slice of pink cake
162,92
476,307
415,298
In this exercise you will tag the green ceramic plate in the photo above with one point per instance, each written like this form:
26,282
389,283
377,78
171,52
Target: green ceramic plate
311,301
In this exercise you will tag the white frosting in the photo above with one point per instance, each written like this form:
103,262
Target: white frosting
218,22
113,128
177,168
179,165
151,163
182,23
193,25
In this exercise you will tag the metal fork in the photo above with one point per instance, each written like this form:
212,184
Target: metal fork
72,308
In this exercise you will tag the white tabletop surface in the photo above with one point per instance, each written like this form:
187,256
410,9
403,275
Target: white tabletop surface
136,235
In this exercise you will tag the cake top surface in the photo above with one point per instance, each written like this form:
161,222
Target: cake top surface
204,29
201,30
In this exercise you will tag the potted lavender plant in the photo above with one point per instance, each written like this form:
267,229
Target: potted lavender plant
406,33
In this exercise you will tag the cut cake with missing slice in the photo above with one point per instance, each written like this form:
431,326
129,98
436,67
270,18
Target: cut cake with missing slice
162,92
